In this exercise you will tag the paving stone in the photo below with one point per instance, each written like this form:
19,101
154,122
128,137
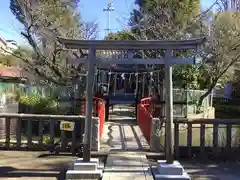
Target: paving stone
166,171
170,169
86,166
85,170
76,174
129,166
184,176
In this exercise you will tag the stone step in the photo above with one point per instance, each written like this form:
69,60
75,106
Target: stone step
170,169
79,174
96,160
166,171
184,176
125,176
91,166
126,166
84,166
85,170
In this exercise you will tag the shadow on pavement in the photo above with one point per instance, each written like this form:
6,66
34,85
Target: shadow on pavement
10,172
28,165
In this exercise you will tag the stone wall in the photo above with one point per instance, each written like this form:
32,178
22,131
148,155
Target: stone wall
157,133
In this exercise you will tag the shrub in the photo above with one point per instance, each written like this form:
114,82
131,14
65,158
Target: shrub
38,104
46,140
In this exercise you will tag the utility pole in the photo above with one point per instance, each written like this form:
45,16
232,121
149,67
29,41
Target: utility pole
109,9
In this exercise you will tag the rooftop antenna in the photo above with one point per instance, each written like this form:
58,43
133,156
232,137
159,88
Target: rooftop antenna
109,9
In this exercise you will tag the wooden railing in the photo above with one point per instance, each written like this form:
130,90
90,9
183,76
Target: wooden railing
11,129
225,137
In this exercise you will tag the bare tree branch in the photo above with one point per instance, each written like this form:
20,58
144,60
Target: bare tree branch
43,22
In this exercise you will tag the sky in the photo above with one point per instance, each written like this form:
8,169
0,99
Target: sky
91,10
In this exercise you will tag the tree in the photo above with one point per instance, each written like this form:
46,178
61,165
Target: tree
221,51
188,76
165,19
5,59
171,20
121,35
12,58
43,21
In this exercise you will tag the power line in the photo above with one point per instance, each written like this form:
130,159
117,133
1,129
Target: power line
109,9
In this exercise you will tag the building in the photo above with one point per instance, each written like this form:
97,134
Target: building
12,45
7,46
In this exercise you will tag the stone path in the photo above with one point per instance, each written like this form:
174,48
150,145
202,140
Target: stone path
127,149
123,135
125,166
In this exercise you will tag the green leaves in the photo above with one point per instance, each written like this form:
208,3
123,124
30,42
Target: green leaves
38,103
121,35
187,76
165,19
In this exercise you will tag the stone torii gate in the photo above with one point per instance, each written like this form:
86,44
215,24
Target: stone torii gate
128,47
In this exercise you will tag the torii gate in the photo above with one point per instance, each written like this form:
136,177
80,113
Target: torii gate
129,46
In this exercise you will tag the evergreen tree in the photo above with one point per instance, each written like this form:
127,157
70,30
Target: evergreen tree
165,19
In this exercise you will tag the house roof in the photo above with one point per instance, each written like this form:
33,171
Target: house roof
10,71
11,41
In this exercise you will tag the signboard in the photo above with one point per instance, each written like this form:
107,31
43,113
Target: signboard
67,126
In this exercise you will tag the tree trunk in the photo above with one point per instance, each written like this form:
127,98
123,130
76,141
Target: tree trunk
215,80
203,97
206,94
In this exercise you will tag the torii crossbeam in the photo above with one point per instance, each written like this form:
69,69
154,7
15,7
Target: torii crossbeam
129,46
